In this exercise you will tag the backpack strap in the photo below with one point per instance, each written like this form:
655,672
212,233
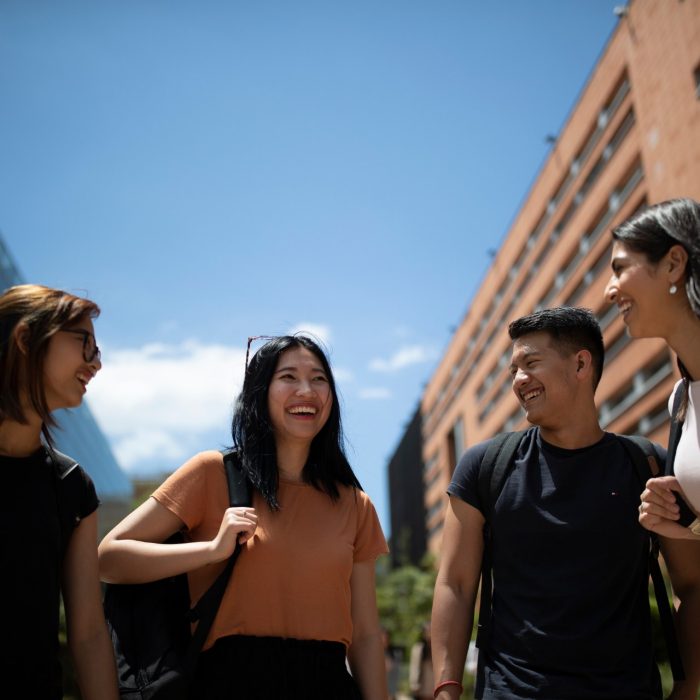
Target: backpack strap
675,430
641,452
204,612
67,498
687,514
495,467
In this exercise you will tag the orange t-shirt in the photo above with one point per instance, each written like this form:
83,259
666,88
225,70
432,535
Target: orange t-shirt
292,578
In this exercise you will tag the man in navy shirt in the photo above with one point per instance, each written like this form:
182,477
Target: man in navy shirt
570,616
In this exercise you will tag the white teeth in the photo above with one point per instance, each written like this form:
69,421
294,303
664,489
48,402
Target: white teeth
303,410
624,308
531,394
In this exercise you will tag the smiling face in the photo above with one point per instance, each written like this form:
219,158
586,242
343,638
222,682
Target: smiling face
299,397
66,373
640,292
544,380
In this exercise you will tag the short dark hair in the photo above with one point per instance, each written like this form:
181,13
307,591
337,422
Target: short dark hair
42,312
654,230
251,429
570,328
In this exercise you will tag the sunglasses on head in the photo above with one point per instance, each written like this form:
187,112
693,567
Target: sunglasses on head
252,338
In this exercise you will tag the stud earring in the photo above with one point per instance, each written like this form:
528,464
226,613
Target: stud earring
672,289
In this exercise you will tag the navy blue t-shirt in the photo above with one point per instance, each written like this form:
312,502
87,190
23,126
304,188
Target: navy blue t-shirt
571,615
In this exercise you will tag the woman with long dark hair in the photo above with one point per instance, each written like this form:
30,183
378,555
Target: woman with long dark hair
48,528
655,283
301,598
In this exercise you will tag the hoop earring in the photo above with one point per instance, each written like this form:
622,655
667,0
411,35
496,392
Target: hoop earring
672,289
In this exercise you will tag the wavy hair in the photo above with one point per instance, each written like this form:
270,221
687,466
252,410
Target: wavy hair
327,465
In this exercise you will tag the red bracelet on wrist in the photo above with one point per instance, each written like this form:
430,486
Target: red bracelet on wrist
444,684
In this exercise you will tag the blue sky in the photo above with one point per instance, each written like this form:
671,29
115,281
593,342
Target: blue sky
212,170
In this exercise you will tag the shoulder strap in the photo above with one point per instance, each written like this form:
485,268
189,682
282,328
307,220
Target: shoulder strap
493,471
63,463
67,499
675,429
494,468
206,608
643,456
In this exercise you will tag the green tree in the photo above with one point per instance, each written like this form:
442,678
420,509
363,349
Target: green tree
405,599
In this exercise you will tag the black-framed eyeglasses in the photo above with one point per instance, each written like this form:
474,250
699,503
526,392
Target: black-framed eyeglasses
251,338
90,350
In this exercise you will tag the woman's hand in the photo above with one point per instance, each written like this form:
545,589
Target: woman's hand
237,525
658,511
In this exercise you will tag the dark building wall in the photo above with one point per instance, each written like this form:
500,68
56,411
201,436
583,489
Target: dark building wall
406,496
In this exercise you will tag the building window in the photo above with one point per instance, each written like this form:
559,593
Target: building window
642,382
513,420
455,443
653,420
616,347
435,508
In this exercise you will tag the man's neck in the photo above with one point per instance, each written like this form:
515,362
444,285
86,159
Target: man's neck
572,437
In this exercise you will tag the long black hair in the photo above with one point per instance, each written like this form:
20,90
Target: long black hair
252,432
652,233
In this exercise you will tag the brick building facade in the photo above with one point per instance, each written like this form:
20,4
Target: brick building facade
632,139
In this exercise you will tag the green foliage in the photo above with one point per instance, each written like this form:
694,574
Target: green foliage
405,599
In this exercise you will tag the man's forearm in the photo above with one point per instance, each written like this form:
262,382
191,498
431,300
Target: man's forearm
451,626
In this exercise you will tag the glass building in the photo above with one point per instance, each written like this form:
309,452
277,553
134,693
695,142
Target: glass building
78,434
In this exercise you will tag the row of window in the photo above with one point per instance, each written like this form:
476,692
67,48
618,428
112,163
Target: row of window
456,436
647,378
600,226
604,117
642,383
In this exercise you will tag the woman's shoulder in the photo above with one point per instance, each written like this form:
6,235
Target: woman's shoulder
200,468
76,488
206,460
355,498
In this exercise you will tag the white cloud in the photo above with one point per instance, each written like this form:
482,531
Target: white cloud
142,445
315,330
343,375
154,400
375,393
404,357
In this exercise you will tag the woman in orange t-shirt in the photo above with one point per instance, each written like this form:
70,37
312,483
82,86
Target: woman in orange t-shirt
301,598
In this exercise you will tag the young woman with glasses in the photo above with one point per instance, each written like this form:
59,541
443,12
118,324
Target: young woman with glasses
48,356
301,598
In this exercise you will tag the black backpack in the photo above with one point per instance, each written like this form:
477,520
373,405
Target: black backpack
493,472
150,623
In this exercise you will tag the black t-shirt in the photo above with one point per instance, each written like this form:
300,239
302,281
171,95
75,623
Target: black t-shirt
571,615
30,569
